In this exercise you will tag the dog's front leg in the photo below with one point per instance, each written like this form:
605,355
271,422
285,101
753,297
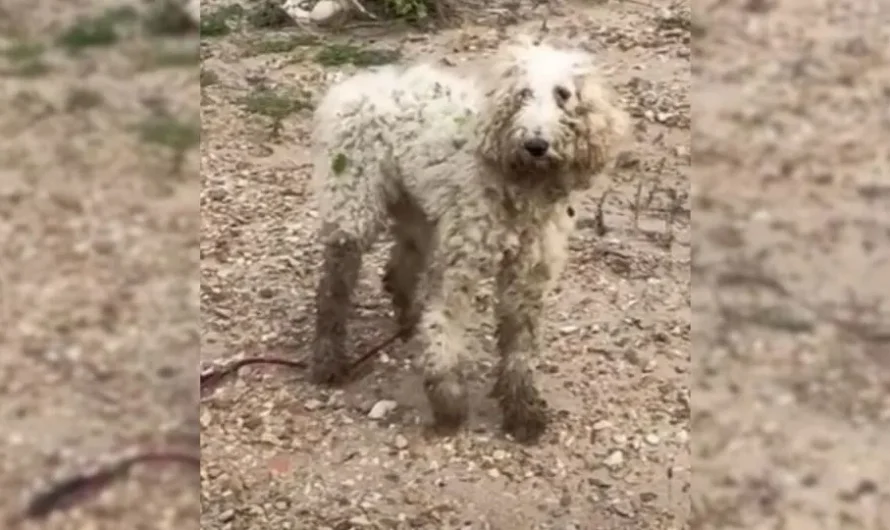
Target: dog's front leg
522,283
462,259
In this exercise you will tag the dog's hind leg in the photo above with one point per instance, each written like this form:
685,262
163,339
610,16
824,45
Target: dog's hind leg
407,262
352,218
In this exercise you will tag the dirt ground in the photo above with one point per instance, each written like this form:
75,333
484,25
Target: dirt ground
791,398
279,452
98,259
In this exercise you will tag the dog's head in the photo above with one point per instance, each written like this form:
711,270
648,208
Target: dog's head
549,115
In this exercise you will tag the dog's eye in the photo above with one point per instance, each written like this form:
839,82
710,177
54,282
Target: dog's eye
562,94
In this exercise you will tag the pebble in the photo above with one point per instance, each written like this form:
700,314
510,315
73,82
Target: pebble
682,436
400,442
499,454
602,425
217,193
623,508
614,460
360,520
326,11
313,404
652,439
382,408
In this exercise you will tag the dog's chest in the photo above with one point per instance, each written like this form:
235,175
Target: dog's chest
536,235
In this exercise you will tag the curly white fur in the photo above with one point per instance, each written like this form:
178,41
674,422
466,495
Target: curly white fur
474,177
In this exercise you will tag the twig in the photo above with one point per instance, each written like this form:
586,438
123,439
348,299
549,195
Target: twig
640,3
361,9
216,372
66,490
599,221
374,351
637,204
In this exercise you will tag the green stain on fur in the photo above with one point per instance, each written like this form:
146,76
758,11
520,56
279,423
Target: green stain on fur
339,163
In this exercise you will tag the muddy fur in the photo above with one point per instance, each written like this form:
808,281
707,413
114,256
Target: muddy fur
453,166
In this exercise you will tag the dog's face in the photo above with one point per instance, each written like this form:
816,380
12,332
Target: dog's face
551,115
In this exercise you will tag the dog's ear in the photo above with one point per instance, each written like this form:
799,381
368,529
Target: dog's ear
601,107
604,125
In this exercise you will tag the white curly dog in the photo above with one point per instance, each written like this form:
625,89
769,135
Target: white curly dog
474,177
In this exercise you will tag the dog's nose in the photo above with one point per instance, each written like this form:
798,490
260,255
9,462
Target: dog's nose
536,146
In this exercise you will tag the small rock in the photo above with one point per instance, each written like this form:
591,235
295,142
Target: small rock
400,442
227,516
567,330
623,508
652,439
217,193
602,425
295,10
313,404
494,473
499,454
682,436
382,408
360,520
614,460
327,12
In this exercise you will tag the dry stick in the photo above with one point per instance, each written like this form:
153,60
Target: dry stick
216,373
69,489
637,205
361,9
599,219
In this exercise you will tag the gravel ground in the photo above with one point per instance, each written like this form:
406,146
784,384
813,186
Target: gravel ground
791,396
98,261
281,453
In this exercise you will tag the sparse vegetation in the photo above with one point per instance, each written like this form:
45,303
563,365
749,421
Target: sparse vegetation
343,54
26,59
168,17
172,134
418,11
266,102
269,14
208,77
173,57
101,30
281,45
83,99
216,23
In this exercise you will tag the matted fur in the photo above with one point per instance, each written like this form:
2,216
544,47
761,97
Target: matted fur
445,163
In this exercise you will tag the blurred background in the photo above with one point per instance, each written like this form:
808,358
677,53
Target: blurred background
791,304
98,262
